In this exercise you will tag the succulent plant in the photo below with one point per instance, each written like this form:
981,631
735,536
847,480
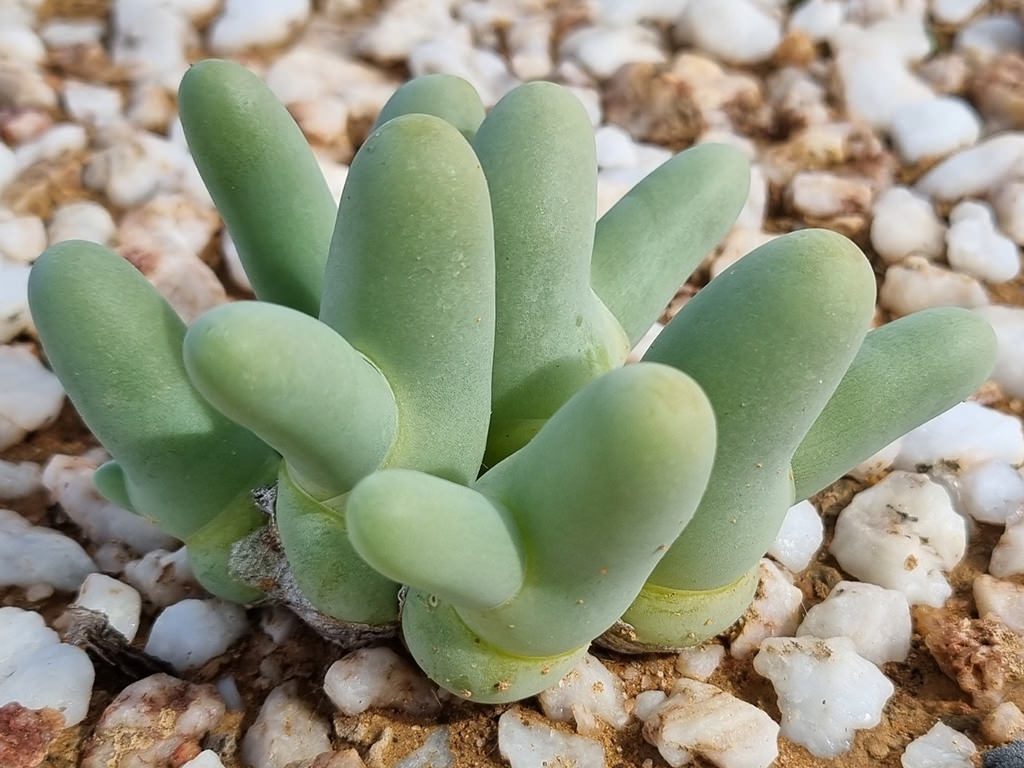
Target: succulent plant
434,377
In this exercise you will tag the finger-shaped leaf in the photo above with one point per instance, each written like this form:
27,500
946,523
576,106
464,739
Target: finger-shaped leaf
653,238
410,284
905,373
445,96
262,175
299,386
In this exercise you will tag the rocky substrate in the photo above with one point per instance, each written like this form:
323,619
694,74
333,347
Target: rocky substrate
888,627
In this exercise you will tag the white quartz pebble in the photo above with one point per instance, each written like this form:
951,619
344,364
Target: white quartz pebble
775,610
1002,599
990,35
21,633
975,171
19,479
1008,555
700,663
81,220
14,318
434,753
54,142
876,619
402,25
1003,724
30,396
615,147
22,238
163,577
799,538
917,284
736,31
825,690
150,39
379,677
205,759
528,743
954,11
941,747
190,633
819,194
933,129
903,534
120,603
151,721
287,729
246,24
39,559
701,719
57,676
905,224
991,492
876,84
975,247
62,33
1008,323
90,104
131,166
588,693
69,481
817,19
966,434
1008,202
602,50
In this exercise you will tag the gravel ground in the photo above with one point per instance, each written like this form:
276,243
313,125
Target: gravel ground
899,123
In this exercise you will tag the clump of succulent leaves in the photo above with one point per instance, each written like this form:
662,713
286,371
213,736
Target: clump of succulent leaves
434,378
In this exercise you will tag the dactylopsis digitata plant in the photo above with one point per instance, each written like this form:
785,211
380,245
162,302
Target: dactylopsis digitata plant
433,377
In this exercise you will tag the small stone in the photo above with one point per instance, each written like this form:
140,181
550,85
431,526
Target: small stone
915,284
603,50
163,578
64,33
903,534
905,224
991,492
934,128
975,247
120,603
83,220
247,24
30,396
22,238
69,482
19,479
585,695
179,275
736,31
954,12
967,434
1003,600
19,42
528,743
39,559
401,25
775,611
131,166
188,634
981,655
946,73
876,619
989,36
1008,555
14,319
876,85
91,104
1003,724
1008,756
1008,202
703,720
205,759
818,19
26,734
823,195
286,730
998,90
1008,323
434,753
151,721
56,676
825,690
379,677
653,104
941,747
150,39
975,171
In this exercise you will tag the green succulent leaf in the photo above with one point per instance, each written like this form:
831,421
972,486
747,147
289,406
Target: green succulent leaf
299,386
115,344
262,175
905,373
410,284
445,96
654,237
